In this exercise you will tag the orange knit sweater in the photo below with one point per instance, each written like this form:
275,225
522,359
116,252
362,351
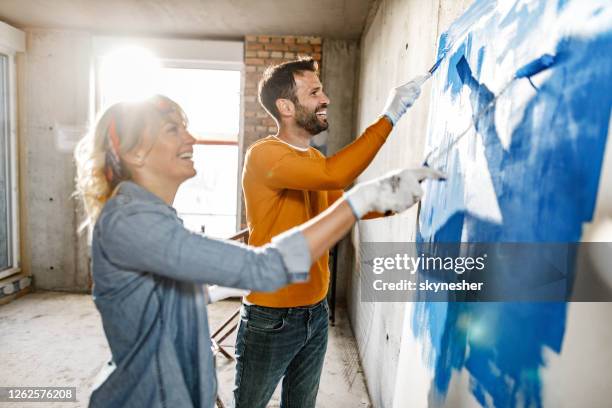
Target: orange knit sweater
284,187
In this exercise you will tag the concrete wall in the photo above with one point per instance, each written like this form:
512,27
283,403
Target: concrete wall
339,76
399,43
54,96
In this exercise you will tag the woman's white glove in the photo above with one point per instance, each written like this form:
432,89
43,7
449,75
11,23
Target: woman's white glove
403,97
396,191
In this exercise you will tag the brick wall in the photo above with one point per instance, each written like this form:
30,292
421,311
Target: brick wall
260,52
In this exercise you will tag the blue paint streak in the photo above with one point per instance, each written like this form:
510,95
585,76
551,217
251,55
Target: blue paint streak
454,82
443,44
546,185
561,4
478,11
527,16
480,61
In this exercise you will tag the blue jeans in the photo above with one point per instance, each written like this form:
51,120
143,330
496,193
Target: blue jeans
275,343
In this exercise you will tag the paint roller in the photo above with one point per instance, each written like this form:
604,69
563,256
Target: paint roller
526,71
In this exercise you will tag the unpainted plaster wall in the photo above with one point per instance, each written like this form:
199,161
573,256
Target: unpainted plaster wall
339,76
54,97
399,43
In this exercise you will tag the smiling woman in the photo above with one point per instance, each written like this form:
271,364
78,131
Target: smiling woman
128,136
167,152
149,270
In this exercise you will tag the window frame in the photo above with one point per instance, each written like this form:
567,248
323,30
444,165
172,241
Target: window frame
12,165
223,66
213,65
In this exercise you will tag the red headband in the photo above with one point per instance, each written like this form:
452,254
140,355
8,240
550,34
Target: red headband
114,166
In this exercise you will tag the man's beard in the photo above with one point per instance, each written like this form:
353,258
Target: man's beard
309,120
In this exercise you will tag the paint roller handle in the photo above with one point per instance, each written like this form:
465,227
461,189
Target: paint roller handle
419,80
534,67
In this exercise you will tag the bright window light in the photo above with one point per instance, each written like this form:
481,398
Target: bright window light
128,73
211,101
209,199
209,97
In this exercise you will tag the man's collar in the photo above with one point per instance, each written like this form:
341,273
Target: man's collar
301,149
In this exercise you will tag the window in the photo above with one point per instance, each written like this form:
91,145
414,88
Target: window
11,41
210,95
207,202
211,99
6,218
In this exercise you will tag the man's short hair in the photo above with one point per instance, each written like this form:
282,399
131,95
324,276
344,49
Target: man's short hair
278,82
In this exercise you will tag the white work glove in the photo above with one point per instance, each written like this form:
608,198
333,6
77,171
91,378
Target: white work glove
217,293
396,191
403,97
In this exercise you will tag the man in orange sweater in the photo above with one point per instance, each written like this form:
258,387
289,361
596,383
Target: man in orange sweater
286,183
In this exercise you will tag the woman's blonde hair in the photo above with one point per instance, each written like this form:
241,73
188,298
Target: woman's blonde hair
118,130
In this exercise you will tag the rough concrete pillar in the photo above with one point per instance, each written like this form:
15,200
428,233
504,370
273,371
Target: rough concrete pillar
340,63
54,110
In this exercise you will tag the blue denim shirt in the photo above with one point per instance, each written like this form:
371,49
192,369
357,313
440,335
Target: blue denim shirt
148,273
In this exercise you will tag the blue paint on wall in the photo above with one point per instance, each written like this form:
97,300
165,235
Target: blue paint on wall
544,181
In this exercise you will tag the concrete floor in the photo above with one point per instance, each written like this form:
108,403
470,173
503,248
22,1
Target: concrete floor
56,339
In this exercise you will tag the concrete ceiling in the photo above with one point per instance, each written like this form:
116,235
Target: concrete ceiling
223,19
